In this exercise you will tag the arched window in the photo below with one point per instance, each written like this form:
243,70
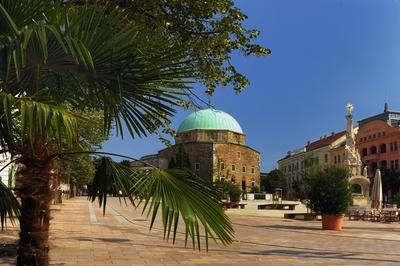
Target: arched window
356,188
382,148
244,184
373,150
364,152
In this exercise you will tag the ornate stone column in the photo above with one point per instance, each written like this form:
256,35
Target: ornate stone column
354,164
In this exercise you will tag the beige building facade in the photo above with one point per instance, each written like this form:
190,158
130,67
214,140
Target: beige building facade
319,153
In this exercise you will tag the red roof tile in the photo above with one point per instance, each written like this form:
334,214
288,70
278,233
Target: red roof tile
324,141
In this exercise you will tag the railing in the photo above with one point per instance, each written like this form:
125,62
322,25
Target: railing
259,196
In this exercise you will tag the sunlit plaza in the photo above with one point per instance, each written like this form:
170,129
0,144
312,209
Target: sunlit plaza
81,235
187,132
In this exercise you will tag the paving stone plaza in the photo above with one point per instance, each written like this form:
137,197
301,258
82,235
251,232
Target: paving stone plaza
81,235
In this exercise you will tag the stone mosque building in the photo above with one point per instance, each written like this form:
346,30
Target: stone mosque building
215,146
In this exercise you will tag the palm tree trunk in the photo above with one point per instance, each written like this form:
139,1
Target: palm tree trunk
34,189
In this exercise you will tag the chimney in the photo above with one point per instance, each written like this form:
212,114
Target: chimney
386,109
308,143
332,133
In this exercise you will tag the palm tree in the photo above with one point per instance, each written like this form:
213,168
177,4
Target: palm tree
54,54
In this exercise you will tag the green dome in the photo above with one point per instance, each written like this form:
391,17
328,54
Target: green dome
210,119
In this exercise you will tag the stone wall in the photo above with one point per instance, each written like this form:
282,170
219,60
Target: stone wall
145,162
215,136
215,161
200,153
237,163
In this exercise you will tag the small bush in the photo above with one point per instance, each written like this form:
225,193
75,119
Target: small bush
329,191
254,189
226,188
396,199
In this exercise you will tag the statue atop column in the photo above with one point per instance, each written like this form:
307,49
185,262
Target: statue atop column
352,161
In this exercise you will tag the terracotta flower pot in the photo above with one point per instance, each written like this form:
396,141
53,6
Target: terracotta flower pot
332,222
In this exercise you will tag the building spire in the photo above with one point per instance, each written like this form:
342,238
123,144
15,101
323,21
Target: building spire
386,108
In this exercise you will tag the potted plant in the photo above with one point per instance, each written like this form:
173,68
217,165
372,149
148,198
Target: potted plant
329,193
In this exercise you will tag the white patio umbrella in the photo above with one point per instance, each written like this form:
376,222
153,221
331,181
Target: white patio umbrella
376,193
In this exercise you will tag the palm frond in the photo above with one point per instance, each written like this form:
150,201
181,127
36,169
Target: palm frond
110,177
134,88
26,12
52,122
181,193
9,206
7,122
177,193
31,119
93,56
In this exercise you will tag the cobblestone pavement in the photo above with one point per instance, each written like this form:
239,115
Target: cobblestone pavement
81,235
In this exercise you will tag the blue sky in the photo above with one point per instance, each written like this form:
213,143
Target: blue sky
324,55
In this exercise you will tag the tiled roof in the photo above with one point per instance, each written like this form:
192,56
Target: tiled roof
392,117
324,141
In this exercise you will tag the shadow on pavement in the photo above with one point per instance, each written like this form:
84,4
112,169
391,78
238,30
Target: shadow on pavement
110,240
8,254
321,255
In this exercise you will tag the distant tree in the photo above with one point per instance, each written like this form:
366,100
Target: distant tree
297,189
254,189
311,166
311,162
227,189
125,163
78,171
396,200
209,31
275,179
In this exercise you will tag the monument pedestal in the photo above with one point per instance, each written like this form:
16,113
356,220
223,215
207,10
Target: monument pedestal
360,200
360,186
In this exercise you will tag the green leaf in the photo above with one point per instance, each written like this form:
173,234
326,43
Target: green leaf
180,193
177,193
7,20
9,206
109,177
